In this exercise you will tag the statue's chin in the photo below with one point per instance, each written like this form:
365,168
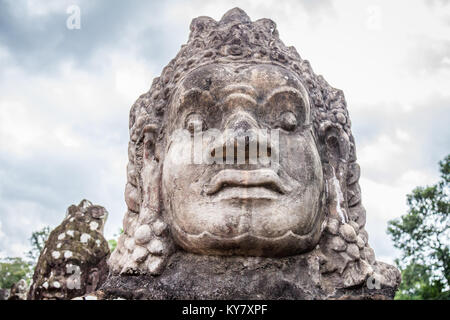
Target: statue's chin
247,244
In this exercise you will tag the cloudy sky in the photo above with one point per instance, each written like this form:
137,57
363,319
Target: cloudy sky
65,95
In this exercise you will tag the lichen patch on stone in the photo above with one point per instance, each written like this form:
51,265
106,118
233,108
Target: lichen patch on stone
84,238
93,225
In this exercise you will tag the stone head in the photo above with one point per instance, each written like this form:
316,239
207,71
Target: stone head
73,260
239,148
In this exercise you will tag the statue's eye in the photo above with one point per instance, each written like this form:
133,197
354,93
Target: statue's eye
288,121
195,123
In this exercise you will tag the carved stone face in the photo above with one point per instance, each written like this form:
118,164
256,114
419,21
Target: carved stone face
238,202
73,261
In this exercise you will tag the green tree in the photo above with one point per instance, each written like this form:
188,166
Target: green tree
113,242
12,270
423,236
37,240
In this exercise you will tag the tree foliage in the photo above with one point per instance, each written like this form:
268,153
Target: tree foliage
423,236
113,242
37,240
12,270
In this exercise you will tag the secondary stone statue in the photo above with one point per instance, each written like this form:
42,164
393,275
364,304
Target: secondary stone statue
18,291
4,294
73,261
242,178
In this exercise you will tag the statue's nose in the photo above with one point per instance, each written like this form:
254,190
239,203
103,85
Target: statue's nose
241,122
243,142
240,126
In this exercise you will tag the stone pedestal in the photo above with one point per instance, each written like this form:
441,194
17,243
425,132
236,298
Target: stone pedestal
191,276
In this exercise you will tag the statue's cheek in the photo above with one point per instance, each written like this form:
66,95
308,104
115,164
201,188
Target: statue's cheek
178,154
300,158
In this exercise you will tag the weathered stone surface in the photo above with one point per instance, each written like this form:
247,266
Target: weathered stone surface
333,226
353,251
348,233
4,294
218,277
241,154
18,291
338,244
73,261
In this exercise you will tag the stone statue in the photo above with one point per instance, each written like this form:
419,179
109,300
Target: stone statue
18,291
4,294
73,261
242,178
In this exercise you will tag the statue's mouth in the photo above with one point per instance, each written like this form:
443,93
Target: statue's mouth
260,183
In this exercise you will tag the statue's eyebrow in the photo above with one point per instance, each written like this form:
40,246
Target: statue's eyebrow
242,91
285,89
303,96
240,88
194,95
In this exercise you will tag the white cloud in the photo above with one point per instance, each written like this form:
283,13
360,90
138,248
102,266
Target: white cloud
402,135
18,249
382,202
39,7
67,138
18,131
379,154
1,232
70,131
132,76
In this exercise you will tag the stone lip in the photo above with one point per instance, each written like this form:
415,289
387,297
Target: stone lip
195,277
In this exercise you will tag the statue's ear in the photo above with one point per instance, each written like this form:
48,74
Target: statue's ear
150,174
150,135
336,143
335,155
